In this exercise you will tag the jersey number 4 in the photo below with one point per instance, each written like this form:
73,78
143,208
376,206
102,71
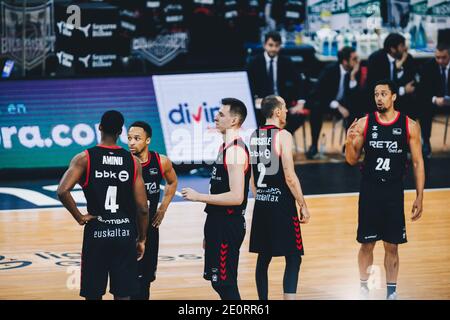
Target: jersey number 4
383,164
110,201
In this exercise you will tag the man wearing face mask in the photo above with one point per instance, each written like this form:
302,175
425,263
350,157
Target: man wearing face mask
385,136
394,63
273,74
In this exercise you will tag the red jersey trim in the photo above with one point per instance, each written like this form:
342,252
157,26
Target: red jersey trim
88,169
366,126
146,163
159,162
387,123
269,126
109,147
247,162
407,129
135,169
275,144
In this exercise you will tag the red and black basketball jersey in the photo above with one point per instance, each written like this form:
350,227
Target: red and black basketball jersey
152,173
108,184
386,148
220,182
268,169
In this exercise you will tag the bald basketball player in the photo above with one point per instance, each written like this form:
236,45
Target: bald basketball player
385,135
276,221
112,183
224,228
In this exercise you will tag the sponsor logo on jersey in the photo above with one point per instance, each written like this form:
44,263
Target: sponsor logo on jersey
151,188
374,135
153,171
260,154
114,233
374,128
391,146
113,221
268,195
105,174
112,161
122,175
397,131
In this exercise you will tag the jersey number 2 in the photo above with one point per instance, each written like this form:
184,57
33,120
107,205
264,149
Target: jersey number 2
110,201
262,173
383,164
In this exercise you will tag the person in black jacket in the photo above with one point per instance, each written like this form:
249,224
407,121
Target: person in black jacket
273,74
434,92
337,92
394,63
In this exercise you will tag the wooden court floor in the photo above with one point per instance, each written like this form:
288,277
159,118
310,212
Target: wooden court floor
50,240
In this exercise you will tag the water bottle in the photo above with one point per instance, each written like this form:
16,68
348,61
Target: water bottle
421,38
334,46
340,38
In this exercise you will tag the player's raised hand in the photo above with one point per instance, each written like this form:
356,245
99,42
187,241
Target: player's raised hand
354,132
189,194
416,211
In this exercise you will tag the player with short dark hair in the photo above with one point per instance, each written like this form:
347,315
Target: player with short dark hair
155,169
224,228
116,204
276,220
385,135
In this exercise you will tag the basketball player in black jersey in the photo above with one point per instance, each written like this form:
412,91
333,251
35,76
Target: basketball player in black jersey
224,228
155,168
276,220
385,135
117,206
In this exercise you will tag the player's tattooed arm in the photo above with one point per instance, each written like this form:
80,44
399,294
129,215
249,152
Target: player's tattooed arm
415,146
169,191
236,165
355,141
290,176
140,198
71,177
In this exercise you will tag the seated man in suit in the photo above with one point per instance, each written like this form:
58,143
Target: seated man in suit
337,92
393,62
434,92
273,74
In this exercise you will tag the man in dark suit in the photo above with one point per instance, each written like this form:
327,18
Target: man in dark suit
273,74
434,92
337,92
393,62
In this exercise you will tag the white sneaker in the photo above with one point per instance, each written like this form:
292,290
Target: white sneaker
392,296
363,293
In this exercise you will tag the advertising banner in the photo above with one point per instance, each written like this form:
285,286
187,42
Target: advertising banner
45,123
187,106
